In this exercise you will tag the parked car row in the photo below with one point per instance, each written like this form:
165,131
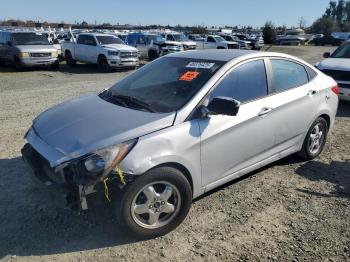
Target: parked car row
106,49
337,66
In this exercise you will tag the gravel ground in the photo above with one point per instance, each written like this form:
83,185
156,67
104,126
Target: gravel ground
288,211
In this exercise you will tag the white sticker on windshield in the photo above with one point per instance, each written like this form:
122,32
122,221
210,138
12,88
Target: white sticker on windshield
202,65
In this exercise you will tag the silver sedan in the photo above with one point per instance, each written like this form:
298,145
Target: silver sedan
179,127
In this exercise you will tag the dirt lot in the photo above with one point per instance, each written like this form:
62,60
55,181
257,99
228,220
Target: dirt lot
289,211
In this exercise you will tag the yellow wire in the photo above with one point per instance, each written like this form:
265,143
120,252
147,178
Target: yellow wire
106,189
121,176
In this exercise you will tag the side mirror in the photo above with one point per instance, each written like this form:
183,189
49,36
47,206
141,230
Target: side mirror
223,106
327,55
9,43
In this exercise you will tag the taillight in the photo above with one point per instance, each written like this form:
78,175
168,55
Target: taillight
335,90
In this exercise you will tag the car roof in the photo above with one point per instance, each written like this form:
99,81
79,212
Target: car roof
224,55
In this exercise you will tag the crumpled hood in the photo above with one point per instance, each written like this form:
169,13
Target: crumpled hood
120,47
335,64
85,124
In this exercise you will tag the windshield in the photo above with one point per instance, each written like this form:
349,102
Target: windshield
29,39
219,39
154,38
180,37
166,84
108,40
342,52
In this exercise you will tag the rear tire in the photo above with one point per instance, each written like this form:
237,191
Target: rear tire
69,59
164,205
152,54
315,140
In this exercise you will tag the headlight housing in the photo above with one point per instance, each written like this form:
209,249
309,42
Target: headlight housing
22,54
113,53
54,54
103,161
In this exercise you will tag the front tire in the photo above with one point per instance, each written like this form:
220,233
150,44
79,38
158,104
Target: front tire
55,66
103,65
156,203
18,65
315,140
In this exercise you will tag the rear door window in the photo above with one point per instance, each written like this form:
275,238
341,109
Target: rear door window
81,40
245,83
286,75
211,39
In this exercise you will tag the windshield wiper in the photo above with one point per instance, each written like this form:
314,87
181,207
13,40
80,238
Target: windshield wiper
135,101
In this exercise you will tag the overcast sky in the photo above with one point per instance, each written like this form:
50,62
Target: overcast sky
184,12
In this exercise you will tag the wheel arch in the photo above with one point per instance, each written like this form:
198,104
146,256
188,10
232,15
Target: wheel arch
327,118
101,56
179,167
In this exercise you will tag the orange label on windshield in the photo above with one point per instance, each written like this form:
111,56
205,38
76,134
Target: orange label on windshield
189,76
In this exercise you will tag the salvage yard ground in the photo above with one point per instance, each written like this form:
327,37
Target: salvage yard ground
288,211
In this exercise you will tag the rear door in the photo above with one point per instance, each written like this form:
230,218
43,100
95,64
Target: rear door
293,102
142,46
210,43
91,49
80,48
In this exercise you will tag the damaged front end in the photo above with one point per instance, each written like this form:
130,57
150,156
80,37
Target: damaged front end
72,181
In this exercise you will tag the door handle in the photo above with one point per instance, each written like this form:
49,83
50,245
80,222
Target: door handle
264,111
311,92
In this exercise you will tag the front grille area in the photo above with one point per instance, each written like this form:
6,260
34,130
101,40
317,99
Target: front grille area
39,163
338,75
39,55
129,54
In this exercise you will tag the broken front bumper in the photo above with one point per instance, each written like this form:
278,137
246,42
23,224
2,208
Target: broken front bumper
62,192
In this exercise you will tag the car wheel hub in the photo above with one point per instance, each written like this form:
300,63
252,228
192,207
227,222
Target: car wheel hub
316,139
155,205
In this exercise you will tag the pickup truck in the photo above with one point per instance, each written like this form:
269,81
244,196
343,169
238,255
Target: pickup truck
179,37
216,42
107,51
152,45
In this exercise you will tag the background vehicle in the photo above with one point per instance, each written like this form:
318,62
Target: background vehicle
195,37
26,49
327,40
187,44
244,38
107,51
231,38
337,65
294,37
216,42
175,136
152,45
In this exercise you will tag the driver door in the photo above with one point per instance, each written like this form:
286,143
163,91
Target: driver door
232,143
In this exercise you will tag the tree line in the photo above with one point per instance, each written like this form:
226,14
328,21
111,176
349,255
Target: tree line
336,18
